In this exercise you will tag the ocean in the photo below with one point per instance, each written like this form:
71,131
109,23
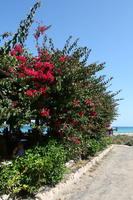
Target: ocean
24,129
124,129
120,129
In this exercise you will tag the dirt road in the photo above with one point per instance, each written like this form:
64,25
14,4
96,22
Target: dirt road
111,180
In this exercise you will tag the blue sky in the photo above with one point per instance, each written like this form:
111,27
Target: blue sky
104,26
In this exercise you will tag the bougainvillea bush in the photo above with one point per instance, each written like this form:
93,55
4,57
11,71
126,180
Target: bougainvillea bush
57,89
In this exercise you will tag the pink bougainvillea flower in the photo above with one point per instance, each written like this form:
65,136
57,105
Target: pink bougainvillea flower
13,52
42,29
88,101
81,113
30,72
50,77
42,90
76,141
22,67
74,122
35,91
44,53
14,104
92,113
18,48
11,69
62,59
75,102
21,74
29,93
39,65
22,59
40,75
48,65
74,138
59,70
45,112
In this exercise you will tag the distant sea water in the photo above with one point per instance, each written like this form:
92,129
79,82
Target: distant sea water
124,129
120,129
24,129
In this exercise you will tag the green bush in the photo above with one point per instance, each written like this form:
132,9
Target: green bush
40,166
86,148
57,156
93,146
73,151
123,140
104,142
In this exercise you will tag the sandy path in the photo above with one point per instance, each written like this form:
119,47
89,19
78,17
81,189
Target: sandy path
112,179
129,134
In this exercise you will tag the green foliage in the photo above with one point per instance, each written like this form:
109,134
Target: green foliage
57,156
122,139
59,90
73,151
105,141
40,166
73,80
86,148
93,146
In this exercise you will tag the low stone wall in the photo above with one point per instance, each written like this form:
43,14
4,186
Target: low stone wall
73,177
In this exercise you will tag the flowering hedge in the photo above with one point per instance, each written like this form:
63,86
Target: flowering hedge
57,89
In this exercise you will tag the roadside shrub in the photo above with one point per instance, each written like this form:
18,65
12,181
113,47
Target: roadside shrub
104,142
40,166
57,88
85,148
73,151
93,146
57,155
61,92
130,142
9,180
123,140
